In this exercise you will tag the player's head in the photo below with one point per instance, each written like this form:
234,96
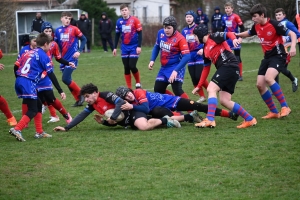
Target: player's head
190,17
124,9
65,18
43,41
279,14
32,39
90,93
228,8
258,13
47,28
125,93
170,25
200,31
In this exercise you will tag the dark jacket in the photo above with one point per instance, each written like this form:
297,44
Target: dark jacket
201,17
73,22
36,25
85,27
105,27
216,21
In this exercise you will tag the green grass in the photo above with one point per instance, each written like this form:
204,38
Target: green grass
96,162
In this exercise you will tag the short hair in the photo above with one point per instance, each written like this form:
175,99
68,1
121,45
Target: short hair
123,5
88,89
66,13
42,39
280,10
258,9
228,4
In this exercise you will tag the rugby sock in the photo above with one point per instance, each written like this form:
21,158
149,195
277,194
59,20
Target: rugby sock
164,121
58,106
169,92
267,97
238,109
4,108
278,94
137,77
24,109
128,80
241,68
22,123
38,123
75,90
222,113
201,92
212,105
184,95
52,111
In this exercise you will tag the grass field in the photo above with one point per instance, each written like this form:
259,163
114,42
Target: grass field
96,162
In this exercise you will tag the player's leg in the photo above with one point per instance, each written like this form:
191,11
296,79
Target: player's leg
237,53
134,70
72,85
177,89
160,86
198,72
127,75
38,122
11,120
289,74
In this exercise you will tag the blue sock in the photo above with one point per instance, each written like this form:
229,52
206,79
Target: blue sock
238,109
278,94
267,97
212,105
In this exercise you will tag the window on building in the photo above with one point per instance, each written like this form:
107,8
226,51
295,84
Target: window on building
144,15
160,13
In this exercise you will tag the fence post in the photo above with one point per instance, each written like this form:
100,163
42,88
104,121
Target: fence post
4,32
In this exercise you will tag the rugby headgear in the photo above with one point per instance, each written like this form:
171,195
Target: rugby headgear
33,35
46,25
191,12
201,30
122,91
170,21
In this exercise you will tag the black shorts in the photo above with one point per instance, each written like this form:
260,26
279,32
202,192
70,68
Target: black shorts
130,117
277,62
226,77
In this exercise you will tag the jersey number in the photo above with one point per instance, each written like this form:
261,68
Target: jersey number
26,67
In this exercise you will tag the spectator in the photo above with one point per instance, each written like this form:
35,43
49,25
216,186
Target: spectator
73,22
84,25
216,21
37,22
201,18
105,29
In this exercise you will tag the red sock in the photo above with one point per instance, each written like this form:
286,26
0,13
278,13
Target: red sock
137,77
4,108
24,109
224,113
75,90
22,123
38,123
128,80
200,92
52,111
184,95
241,68
58,106
169,92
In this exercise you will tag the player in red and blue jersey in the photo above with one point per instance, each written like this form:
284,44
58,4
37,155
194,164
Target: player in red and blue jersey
174,55
158,105
32,64
270,34
195,64
66,36
217,51
130,30
232,22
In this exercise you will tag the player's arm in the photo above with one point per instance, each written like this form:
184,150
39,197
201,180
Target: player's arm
248,33
117,36
112,98
293,28
79,118
83,42
140,38
204,74
185,53
55,82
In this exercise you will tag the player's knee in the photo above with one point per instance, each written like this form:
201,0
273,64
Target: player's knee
66,81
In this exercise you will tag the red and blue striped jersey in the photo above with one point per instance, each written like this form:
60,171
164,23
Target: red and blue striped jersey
128,29
232,22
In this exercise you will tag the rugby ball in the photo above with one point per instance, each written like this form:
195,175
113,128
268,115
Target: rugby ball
109,112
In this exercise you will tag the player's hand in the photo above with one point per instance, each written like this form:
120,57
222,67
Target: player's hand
71,64
151,64
59,128
1,66
110,121
63,96
127,106
236,42
99,118
76,55
195,90
138,50
292,51
114,52
200,52
173,77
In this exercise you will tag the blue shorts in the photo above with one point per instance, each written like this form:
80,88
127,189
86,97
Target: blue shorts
195,59
129,51
163,100
25,88
229,42
44,84
165,73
